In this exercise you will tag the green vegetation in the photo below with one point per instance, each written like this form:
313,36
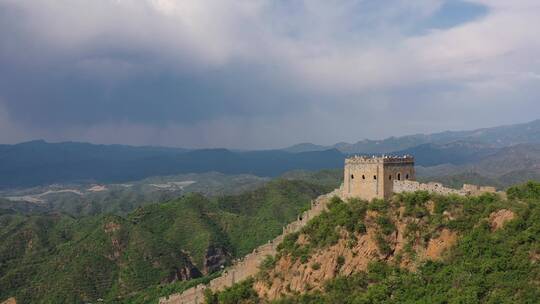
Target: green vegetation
154,292
324,230
239,293
251,218
59,259
485,266
331,178
529,191
121,199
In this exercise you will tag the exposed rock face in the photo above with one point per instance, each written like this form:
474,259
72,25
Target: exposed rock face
184,273
499,218
437,246
345,258
111,227
118,246
10,301
215,258
292,276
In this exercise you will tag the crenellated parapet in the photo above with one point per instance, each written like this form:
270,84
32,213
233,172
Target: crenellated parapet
385,159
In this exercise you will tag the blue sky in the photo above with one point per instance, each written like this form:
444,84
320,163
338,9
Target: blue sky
263,73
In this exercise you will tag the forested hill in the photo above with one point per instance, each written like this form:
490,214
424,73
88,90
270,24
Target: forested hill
59,259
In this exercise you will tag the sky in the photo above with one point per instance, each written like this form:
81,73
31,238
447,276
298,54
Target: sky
257,74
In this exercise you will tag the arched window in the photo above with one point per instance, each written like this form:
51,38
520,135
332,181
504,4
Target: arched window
374,176
399,176
352,176
390,177
407,176
363,176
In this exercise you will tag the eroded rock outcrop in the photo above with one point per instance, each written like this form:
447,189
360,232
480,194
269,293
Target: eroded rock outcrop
353,253
499,218
215,258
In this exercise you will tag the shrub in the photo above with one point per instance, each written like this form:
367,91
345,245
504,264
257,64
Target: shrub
238,293
383,245
528,191
386,225
340,261
268,263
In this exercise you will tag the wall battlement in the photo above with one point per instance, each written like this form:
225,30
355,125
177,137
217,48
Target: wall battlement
361,159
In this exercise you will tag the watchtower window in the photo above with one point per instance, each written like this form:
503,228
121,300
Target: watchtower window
363,177
399,176
352,176
374,176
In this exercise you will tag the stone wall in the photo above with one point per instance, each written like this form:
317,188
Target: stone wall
411,186
249,265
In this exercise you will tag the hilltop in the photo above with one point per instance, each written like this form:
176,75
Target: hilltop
417,247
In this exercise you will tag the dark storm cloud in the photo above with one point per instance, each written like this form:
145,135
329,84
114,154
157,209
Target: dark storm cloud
240,73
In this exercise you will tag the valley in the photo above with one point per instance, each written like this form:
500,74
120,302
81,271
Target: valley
92,199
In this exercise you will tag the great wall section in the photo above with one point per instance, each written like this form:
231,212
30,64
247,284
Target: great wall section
412,186
249,265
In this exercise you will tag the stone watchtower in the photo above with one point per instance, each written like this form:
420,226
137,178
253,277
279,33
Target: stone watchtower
373,177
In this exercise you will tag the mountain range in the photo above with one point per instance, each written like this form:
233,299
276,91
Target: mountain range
452,152
495,137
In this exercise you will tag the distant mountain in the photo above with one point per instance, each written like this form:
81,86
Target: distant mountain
502,136
505,167
40,163
522,157
456,153
305,147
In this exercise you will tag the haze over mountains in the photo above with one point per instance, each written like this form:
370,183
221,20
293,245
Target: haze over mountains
495,137
491,152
